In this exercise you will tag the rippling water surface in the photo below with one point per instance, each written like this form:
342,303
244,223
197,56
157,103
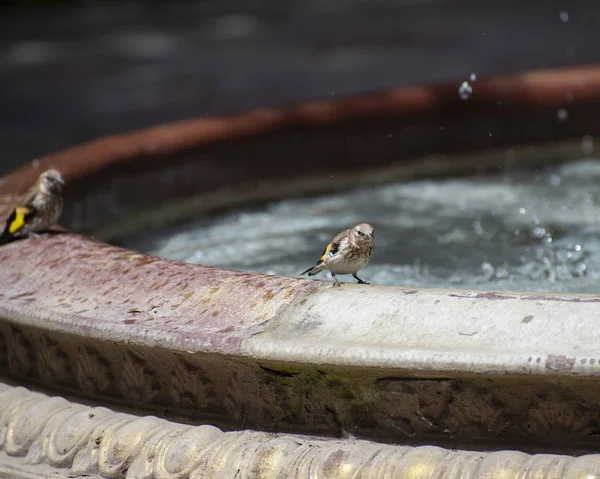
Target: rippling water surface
521,230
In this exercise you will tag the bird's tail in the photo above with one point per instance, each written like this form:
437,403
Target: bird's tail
5,237
313,269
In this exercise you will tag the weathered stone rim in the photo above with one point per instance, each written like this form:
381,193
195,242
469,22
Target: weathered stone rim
567,87
73,307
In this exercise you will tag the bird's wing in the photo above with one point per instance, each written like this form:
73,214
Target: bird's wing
18,219
334,246
27,200
24,210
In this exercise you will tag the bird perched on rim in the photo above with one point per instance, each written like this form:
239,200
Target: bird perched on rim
37,210
347,253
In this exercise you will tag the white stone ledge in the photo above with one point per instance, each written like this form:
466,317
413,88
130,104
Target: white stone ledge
436,331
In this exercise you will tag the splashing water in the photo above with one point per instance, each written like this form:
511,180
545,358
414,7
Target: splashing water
564,17
587,144
525,230
465,90
562,114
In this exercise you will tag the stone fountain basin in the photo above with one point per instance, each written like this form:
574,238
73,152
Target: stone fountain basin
202,345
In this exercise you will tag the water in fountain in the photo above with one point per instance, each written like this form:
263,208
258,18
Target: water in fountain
519,230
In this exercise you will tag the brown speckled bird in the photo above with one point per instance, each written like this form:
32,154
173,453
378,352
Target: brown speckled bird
347,253
37,210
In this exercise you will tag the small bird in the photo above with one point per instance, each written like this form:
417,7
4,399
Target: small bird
347,253
37,210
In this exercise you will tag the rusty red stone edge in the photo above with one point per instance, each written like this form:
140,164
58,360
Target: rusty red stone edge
533,90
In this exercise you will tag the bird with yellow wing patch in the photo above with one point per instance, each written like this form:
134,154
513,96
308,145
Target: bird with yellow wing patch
347,253
37,210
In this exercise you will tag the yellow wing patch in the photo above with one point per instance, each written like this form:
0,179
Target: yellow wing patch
329,246
19,220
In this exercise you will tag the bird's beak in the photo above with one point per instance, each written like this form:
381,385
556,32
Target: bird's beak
371,235
60,180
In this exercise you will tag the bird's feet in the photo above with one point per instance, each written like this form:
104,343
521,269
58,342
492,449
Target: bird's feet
46,234
336,283
360,281
36,235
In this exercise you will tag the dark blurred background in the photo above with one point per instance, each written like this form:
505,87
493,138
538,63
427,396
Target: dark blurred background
71,71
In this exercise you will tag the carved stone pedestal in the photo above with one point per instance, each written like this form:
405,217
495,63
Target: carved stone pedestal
50,437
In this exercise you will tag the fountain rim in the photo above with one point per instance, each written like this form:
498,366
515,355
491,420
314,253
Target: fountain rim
267,306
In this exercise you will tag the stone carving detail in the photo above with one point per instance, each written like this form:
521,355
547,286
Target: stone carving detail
241,395
72,440
21,359
546,414
3,350
53,364
92,371
476,410
138,382
188,385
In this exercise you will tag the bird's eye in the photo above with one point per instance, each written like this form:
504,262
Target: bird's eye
360,233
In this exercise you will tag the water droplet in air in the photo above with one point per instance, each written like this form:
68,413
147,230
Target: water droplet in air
465,90
577,247
562,114
539,232
555,180
587,144
564,17
522,210
473,77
